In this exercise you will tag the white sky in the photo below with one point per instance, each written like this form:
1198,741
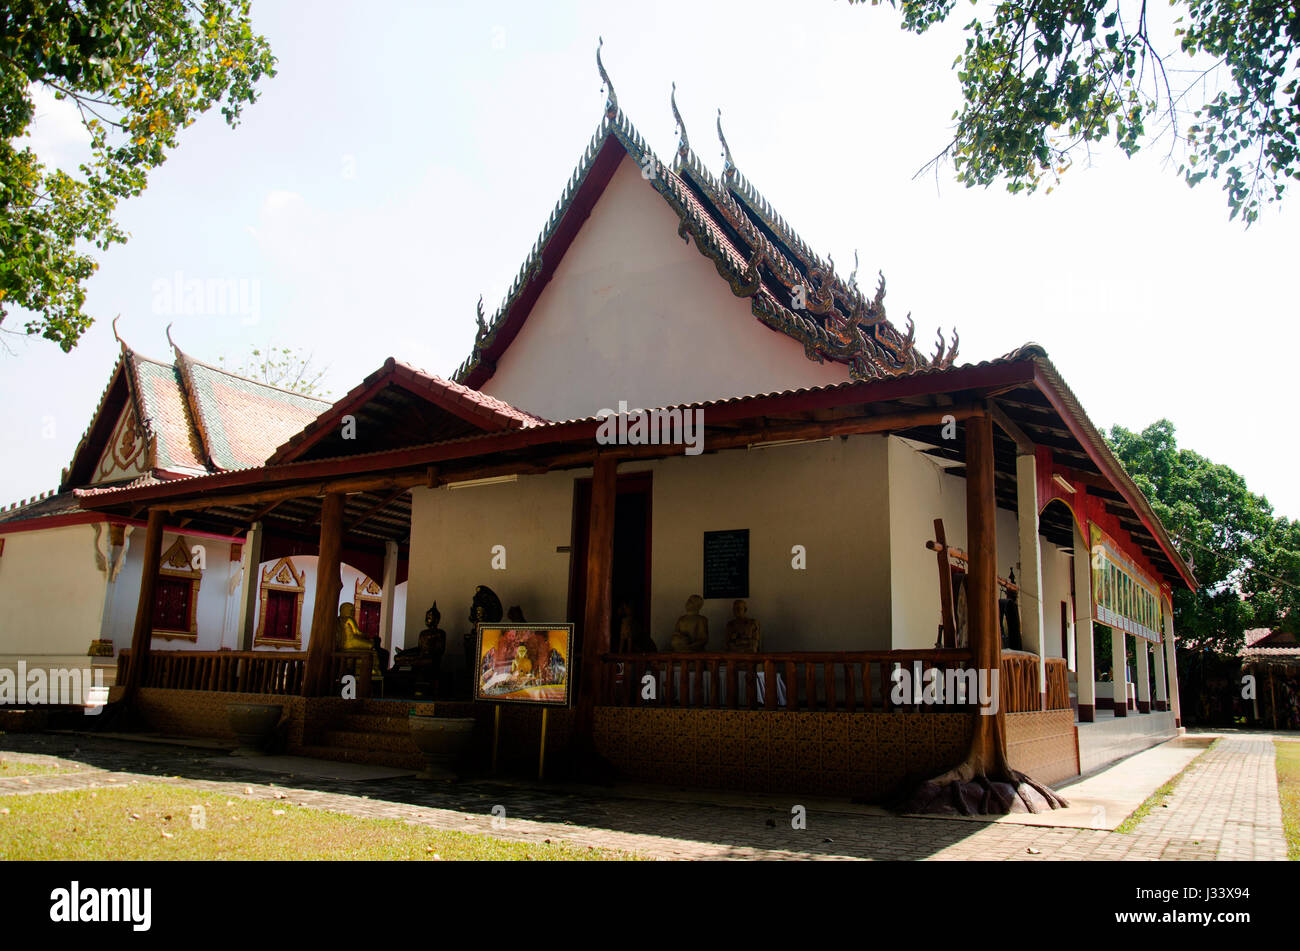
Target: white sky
406,156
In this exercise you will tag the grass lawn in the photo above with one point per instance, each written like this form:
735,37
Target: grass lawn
12,767
1288,790
1157,798
156,821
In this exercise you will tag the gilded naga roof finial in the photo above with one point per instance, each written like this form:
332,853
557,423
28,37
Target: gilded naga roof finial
611,98
482,320
116,335
683,144
853,275
170,342
728,166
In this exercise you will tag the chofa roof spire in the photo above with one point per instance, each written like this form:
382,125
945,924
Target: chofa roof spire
683,143
728,166
611,97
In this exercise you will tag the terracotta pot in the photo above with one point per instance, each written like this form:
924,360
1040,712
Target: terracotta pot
253,723
442,740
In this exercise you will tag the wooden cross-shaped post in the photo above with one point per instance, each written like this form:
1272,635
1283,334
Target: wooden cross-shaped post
940,547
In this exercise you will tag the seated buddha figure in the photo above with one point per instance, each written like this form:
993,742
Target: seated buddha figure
521,668
742,631
692,630
349,636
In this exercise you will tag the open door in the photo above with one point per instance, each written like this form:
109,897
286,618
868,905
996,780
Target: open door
632,520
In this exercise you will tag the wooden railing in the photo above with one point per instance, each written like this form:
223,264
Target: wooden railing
280,672
229,671
1021,692
845,681
818,680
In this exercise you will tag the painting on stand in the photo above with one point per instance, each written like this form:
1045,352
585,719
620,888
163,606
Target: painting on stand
524,663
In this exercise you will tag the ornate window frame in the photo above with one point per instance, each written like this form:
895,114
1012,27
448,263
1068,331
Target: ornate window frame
281,576
176,564
365,589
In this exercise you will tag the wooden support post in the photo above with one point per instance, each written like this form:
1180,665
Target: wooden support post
1031,566
988,744
948,625
324,615
387,594
250,585
142,636
1084,665
600,581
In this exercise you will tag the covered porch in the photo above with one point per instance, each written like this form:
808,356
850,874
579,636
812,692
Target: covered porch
553,498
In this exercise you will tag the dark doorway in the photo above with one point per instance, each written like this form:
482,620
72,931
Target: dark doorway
631,583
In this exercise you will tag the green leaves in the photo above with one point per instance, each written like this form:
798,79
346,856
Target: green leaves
1037,82
1246,559
138,72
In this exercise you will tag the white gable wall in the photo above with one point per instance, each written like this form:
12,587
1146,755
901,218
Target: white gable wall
634,313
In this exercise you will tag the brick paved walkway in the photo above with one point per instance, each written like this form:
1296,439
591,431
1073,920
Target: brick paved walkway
1225,807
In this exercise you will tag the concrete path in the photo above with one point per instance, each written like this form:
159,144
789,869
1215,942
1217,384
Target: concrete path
1225,807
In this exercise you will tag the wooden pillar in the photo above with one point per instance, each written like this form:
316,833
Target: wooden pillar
1171,661
600,581
1031,566
142,636
989,741
325,610
1119,670
1143,674
1085,673
250,585
387,594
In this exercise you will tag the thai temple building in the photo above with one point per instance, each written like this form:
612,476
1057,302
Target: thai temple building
682,432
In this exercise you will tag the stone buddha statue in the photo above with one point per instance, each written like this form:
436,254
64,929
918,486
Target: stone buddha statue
692,630
742,631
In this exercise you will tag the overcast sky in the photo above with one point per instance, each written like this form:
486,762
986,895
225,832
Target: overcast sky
406,156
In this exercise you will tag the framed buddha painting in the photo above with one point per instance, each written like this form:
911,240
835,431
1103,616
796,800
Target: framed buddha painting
523,663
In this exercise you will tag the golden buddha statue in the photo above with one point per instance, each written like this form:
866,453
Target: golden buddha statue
742,631
692,630
349,636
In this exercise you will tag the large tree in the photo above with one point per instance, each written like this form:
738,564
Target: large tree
1042,78
137,71
1246,559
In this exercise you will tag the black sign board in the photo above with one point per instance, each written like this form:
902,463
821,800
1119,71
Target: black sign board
726,564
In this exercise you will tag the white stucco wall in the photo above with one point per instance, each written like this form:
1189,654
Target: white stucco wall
51,594
452,535
218,605
632,313
827,496
1056,588
919,492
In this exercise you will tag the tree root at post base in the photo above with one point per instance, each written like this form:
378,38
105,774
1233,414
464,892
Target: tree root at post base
962,792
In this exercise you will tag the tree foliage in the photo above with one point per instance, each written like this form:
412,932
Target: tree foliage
1246,559
138,72
285,367
1040,78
